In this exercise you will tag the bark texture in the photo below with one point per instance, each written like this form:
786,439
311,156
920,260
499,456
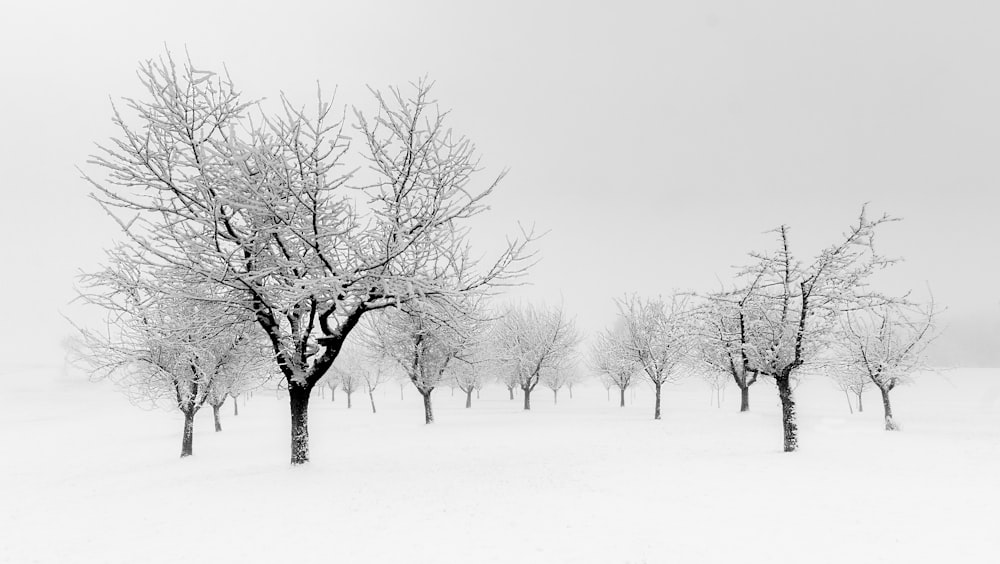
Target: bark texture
787,412
298,398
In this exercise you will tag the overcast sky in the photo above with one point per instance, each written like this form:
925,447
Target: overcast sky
656,142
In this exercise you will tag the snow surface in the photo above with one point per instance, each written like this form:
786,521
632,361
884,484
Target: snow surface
86,477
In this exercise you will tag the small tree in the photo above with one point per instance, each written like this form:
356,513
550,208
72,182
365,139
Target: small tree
726,321
609,358
656,337
849,382
555,379
885,344
423,337
533,340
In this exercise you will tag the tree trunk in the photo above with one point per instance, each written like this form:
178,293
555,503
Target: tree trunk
468,399
555,397
428,411
890,424
333,394
298,399
371,396
477,393
187,439
236,406
787,413
401,391
744,398
656,411
622,404
861,407
348,400
608,390
510,390
527,398
215,414
850,405
570,392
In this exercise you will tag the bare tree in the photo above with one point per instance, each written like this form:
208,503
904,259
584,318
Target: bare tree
423,337
532,340
656,337
725,322
885,345
554,379
156,346
258,206
615,365
799,304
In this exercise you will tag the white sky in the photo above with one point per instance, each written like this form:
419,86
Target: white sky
656,142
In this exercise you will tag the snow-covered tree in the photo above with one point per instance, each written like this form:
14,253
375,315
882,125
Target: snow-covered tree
725,322
656,337
850,382
885,344
423,337
532,340
159,347
610,359
799,304
554,379
258,206
245,369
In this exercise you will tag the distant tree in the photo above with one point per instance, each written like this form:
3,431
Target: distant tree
351,379
849,382
532,340
726,321
886,345
611,360
244,369
423,338
258,206
656,337
554,379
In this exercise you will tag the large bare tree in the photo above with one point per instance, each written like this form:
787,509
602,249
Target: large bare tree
258,205
798,305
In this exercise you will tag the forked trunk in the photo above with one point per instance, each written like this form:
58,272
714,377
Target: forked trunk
787,412
656,411
468,399
215,415
187,439
890,424
298,399
428,411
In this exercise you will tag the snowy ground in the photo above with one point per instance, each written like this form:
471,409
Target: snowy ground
86,477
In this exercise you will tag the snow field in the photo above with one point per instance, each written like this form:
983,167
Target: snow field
90,478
